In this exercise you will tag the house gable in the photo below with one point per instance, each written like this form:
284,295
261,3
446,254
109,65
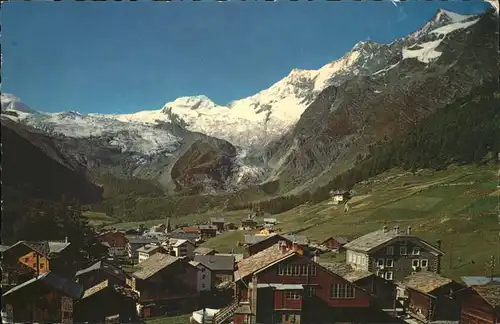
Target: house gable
298,270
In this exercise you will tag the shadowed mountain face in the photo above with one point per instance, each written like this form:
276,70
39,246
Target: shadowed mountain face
33,167
344,121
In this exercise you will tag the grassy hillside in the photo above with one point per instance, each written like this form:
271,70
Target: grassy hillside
457,205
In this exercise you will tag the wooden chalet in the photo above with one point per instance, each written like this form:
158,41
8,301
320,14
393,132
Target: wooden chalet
480,304
24,260
117,242
218,223
165,285
47,298
207,231
136,242
382,291
258,243
105,300
98,272
278,285
335,243
430,297
221,267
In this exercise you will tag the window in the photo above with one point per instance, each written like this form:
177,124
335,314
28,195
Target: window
34,265
424,263
342,291
389,263
313,270
390,250
389,275
202,286
380,262
415,263
281,270
203,276
416,251
292,295
202,269
42,265
311,291
358,259
26,259
402,250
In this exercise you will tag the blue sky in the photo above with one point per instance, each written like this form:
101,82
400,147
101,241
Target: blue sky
119,57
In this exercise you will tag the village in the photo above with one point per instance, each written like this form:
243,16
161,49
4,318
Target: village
388,276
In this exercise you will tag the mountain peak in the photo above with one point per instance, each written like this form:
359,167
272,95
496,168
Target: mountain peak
11,102
444,16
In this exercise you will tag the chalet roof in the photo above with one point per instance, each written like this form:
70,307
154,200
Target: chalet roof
237,256
217,220
208,227
253,239
179,242
373,240
66,286
57,247
345,271
140,240
201,250
425,281
126,292
45,248
339,268
261,260
154,264
490,292
104,266
217,262
183,235
339,239
357,275
479,280
190,229
148,248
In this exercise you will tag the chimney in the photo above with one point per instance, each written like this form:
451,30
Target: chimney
408,230
283,247
384,229
438,265
66,239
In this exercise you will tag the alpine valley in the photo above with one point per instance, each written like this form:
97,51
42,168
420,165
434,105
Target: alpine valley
312,131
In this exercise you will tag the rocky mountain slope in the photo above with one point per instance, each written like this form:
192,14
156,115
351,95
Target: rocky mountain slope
431,68
302,130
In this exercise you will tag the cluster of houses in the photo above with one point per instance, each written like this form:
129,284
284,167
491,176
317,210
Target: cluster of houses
388,275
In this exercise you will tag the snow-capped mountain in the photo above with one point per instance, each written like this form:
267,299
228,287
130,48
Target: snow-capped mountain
256,120
250,123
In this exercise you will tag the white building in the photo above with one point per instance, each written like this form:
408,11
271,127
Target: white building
148,250
182,248
204,276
